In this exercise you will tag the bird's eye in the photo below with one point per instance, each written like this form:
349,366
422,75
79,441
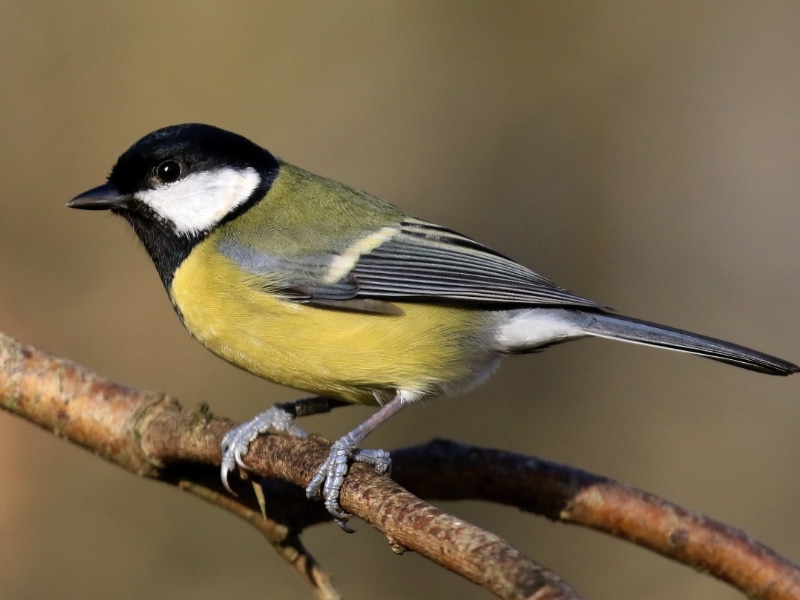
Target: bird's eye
168,171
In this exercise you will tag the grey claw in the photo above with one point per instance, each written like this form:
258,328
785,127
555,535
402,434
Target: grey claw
226,469
342,523
237,441
329,478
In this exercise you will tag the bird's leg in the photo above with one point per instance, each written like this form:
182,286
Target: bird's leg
330,475
279,419
313,405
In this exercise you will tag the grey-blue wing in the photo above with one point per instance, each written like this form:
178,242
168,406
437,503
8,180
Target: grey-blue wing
420,262
428,262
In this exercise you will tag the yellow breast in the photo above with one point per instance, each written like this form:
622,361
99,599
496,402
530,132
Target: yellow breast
342,354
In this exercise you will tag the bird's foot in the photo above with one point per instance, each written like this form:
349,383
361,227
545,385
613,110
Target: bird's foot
237,441
330,476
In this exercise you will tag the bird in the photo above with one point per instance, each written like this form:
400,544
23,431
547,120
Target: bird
320,287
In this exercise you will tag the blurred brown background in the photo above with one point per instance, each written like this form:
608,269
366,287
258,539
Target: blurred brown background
643,154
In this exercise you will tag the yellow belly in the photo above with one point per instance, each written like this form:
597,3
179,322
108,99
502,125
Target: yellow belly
341,354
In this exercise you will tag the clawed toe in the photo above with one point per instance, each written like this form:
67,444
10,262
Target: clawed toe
329,478
237,441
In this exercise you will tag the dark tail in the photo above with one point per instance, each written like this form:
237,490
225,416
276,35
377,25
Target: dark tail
651,334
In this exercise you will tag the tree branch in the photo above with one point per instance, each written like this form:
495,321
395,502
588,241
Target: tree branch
151,435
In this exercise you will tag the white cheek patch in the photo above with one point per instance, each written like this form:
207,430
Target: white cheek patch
199,201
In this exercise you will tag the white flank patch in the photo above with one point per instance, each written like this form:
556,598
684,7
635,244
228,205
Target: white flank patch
531,328
345,262
199,201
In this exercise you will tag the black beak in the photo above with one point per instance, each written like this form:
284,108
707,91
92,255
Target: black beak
103,197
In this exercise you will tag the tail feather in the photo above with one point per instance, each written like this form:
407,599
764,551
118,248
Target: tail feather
652,334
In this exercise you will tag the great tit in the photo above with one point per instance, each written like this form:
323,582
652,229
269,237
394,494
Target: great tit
321,287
